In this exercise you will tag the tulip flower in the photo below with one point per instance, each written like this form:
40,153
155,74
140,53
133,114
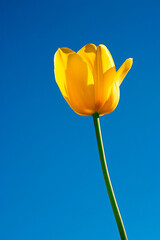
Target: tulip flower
89,82
88,79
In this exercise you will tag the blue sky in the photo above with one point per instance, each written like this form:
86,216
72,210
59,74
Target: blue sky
51,183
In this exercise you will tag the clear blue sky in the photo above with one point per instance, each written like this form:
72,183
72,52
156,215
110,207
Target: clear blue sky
51,183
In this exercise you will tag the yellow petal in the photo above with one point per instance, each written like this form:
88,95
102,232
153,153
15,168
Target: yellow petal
104,62
112,101
104,59
80,85
106,83
123,70
75,81
88,53
60,65
76,109
100,62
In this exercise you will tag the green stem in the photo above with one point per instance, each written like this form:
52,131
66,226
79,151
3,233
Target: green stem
108,183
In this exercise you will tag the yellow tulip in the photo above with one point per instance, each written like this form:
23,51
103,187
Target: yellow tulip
88,79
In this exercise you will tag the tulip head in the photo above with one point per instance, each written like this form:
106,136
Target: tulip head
88,79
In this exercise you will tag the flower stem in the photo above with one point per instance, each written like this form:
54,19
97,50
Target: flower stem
108,183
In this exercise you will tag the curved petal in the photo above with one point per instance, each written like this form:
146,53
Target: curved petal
79,81
107,81
123,70
88,53
104,59
60,65
76,109
100,62
112,101
104,62
98,58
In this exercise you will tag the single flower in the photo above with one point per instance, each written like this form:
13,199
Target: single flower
88,79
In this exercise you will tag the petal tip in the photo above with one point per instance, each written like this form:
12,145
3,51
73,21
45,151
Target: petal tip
129,63
123,70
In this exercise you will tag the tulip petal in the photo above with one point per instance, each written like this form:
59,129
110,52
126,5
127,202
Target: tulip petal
104,62
76,109
80,84
98,58
107,81
75,81
88,53
60,63
112,101
100,62
123,70
104,59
